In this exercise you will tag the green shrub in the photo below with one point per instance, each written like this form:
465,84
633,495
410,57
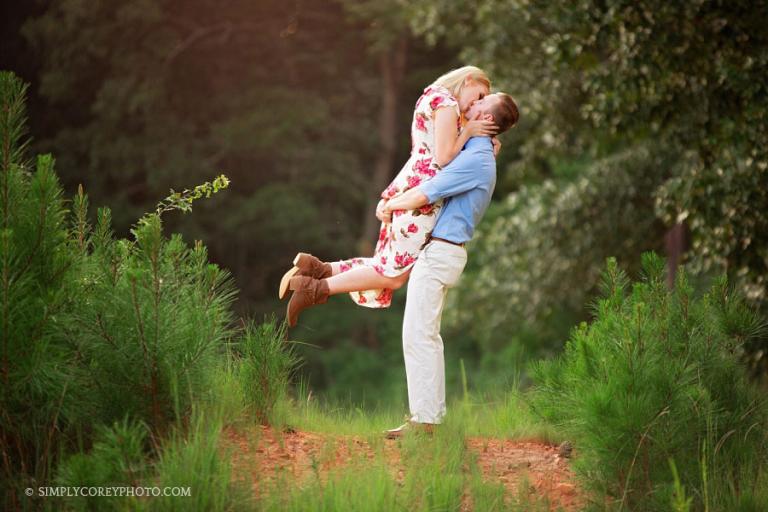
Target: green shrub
40,387
656,376
117,458
266,364
93,329
151,320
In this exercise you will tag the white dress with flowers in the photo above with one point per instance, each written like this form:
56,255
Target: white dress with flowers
401,241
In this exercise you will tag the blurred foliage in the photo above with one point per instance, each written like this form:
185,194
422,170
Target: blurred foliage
159,93
536,258
726,209
282,98
635,116
682,82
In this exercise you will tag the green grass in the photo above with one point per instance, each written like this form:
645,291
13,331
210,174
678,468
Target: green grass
499,415
438,472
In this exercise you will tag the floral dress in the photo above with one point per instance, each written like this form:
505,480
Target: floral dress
401,241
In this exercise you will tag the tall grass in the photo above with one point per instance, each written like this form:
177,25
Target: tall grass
193,458
266,362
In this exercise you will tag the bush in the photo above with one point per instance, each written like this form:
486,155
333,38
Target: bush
117,458
94,329
151,319
266,364
655,382
39,386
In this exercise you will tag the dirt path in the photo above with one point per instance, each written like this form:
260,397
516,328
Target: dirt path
261,455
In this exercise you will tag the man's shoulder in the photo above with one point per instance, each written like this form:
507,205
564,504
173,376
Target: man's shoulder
478,150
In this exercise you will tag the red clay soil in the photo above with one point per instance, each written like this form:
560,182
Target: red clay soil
261,455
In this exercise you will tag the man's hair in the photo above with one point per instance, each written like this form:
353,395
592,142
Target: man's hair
505,113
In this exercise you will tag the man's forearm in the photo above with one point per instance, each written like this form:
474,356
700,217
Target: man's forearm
410,200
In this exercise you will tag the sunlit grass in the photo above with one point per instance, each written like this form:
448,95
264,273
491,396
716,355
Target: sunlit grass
504,415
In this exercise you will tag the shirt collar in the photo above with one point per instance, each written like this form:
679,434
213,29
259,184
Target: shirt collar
479,142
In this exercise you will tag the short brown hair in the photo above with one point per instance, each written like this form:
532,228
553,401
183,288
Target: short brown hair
505,113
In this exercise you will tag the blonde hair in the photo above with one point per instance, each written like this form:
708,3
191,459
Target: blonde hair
454,79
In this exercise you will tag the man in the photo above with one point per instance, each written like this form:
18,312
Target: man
466,184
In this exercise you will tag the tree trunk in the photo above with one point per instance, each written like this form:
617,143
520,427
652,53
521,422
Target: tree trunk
676,242
392,67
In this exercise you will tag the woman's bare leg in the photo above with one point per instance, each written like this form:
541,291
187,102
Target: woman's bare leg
363,278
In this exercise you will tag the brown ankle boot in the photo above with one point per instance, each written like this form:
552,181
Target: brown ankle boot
305,265
307,291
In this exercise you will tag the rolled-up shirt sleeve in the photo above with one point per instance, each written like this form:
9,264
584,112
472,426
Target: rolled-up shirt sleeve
457,177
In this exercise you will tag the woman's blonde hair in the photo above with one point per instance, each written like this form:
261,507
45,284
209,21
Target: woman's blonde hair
454,79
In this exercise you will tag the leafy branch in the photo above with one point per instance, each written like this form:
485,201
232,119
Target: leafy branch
183,200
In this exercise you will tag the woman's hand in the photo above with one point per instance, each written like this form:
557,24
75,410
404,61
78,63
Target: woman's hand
480,127
383,215
496,146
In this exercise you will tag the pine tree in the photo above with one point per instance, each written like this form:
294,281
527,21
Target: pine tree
657,376
35,268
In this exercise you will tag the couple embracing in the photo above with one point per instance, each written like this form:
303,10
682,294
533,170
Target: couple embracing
428,213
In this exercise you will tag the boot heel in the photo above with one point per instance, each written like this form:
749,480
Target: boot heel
297,259
285,281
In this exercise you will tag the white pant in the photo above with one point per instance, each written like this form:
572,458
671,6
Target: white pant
437,269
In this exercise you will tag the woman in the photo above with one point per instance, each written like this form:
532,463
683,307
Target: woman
436,138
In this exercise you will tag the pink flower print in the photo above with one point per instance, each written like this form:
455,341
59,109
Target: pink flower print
390,192
379,269
422,150
436,101
397,213
422,167
426,209
385,297
382,234
414,181
403,260
343,267
361,299
383,260
420,123
413,228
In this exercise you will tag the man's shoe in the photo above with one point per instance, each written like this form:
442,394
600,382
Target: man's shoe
307,292
409,426
305,265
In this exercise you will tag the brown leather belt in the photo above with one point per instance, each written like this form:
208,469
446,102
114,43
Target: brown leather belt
444,240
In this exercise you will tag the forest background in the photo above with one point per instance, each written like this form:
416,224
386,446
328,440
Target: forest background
643,128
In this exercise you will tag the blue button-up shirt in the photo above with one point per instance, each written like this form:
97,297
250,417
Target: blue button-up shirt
468,183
